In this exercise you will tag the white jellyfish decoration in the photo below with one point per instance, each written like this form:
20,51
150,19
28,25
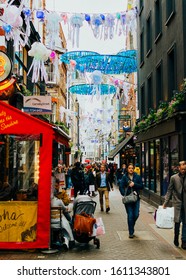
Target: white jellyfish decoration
109,26
76,22
52,27
96,79
40,54
12,23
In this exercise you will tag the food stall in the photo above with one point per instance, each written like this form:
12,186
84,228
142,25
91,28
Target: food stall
25,178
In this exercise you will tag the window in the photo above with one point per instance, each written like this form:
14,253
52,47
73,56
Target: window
174,155
19,165
149,95
170,10
149,34
152,185
141,4
157,164
51,74
141,48
171,71
158,19
142,100
165,165
159,83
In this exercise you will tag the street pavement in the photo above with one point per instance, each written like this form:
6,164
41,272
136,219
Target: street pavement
149,243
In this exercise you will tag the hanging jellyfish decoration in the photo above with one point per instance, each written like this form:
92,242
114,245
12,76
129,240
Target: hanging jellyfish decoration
12,23
40,54
52,27
97,23
109,26
96,79
76,21
55,61
27,18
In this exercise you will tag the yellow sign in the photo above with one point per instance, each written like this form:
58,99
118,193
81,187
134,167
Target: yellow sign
18,221
6,120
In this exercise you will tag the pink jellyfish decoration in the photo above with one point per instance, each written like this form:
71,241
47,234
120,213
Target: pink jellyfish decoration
76,21
40,54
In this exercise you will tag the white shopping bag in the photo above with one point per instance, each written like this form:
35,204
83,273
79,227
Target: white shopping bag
165,217
91,188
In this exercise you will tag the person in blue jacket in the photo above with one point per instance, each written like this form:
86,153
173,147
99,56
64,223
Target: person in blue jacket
131,181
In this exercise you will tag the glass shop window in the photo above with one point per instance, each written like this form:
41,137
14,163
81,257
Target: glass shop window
157,159
19,167
151,166
174,154
165,165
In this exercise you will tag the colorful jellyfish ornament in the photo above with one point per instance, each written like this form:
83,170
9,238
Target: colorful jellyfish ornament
12,23
52,27
27,18
97,23
40,54
76,22
109,26
96,79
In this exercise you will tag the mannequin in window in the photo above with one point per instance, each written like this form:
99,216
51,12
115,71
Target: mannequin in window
126,127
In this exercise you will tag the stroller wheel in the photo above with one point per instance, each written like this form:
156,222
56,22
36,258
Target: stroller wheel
97,243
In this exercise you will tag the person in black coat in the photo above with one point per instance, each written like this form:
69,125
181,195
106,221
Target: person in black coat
78,179
131,181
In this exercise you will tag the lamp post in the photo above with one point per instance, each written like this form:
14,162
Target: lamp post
78,144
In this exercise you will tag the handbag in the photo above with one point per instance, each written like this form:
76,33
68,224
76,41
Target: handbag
131,198
83,224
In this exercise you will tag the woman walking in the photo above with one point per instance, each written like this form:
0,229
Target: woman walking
130,182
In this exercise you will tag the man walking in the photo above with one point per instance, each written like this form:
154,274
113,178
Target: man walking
103,185
177,191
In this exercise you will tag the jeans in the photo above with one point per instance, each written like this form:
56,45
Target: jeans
132,210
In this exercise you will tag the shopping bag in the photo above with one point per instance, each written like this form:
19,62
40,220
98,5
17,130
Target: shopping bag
100,228
165,217
91,188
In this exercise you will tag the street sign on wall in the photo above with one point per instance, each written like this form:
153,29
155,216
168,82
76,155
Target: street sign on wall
37,104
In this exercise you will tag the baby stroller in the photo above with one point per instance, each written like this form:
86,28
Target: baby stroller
83,203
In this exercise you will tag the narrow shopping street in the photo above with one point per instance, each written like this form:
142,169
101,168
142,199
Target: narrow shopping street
150,242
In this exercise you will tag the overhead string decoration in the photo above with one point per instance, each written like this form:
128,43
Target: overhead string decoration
96,79
96,24
55,61
52,27
27,18
109,27
12,23
76,22
40,54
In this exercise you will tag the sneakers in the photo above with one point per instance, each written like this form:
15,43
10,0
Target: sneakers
131,235
107,209
102,209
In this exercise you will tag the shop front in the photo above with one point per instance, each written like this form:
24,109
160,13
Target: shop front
26,149
161,148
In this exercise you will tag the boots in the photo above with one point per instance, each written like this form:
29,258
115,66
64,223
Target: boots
183,245
176,234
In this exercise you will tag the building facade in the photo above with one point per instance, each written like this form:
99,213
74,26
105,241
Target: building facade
160,133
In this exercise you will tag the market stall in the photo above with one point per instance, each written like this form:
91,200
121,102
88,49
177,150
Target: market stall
25,178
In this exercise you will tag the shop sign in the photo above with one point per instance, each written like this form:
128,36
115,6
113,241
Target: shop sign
5,66
124,117
7,120
18,220
37,104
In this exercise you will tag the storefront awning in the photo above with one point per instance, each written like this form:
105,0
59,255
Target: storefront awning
120,146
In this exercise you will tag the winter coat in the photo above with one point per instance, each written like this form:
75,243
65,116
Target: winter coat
175,188
138,184
108,181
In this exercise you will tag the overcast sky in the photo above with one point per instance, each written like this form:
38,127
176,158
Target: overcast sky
87,41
